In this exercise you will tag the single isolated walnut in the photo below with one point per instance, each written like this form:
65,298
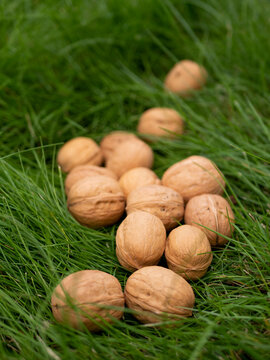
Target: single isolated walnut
111,141
161,122
213,212
136,178
96,201
185,77
140,240
188,252
84,171
79,151
161,201
84,298
128,155
157,293
193,176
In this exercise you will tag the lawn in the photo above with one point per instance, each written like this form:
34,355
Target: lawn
84,68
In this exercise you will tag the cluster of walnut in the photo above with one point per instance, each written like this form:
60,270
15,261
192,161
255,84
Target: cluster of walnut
92,298
98,196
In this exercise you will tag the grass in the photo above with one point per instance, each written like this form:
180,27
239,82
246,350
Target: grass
71,68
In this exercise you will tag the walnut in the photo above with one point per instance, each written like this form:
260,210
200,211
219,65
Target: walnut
161,122
79,151
83,298
96,201
157,293
188,252
213,212
158,200
83,171
128,155
140,240
111,141
193,176
185,77
136,178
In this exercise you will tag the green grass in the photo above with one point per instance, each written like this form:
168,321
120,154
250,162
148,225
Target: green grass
70,68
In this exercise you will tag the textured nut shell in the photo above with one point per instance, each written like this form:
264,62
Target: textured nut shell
128,155
158,200
193,176
157,290
96,201
79,151
184,77
83,171
156,121
140,240
214,212
136,178
111,141
188,252
84,289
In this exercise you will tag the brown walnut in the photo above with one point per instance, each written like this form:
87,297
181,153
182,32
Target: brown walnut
140,240
185,77
111,141
83,171
213,212
188,252
84,297
161,122
193,176
136,178
157,293
79,151
128,155
96,201
158,200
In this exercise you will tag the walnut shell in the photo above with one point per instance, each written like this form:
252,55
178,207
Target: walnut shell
214,212
83,298
111,141
156,121
185,77
128,155
158,200
79,151
188,252
96,201
136,178
83,171
158,293
193,176
140,240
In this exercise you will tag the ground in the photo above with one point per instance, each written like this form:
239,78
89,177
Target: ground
83,68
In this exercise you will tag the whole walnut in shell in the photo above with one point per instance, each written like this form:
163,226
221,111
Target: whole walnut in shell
140,240
128,155
214,212
188,252
79,151
193,176
185,77
83,171
158,200
156,121
84,297
136,178
96,201
157,293
111,141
